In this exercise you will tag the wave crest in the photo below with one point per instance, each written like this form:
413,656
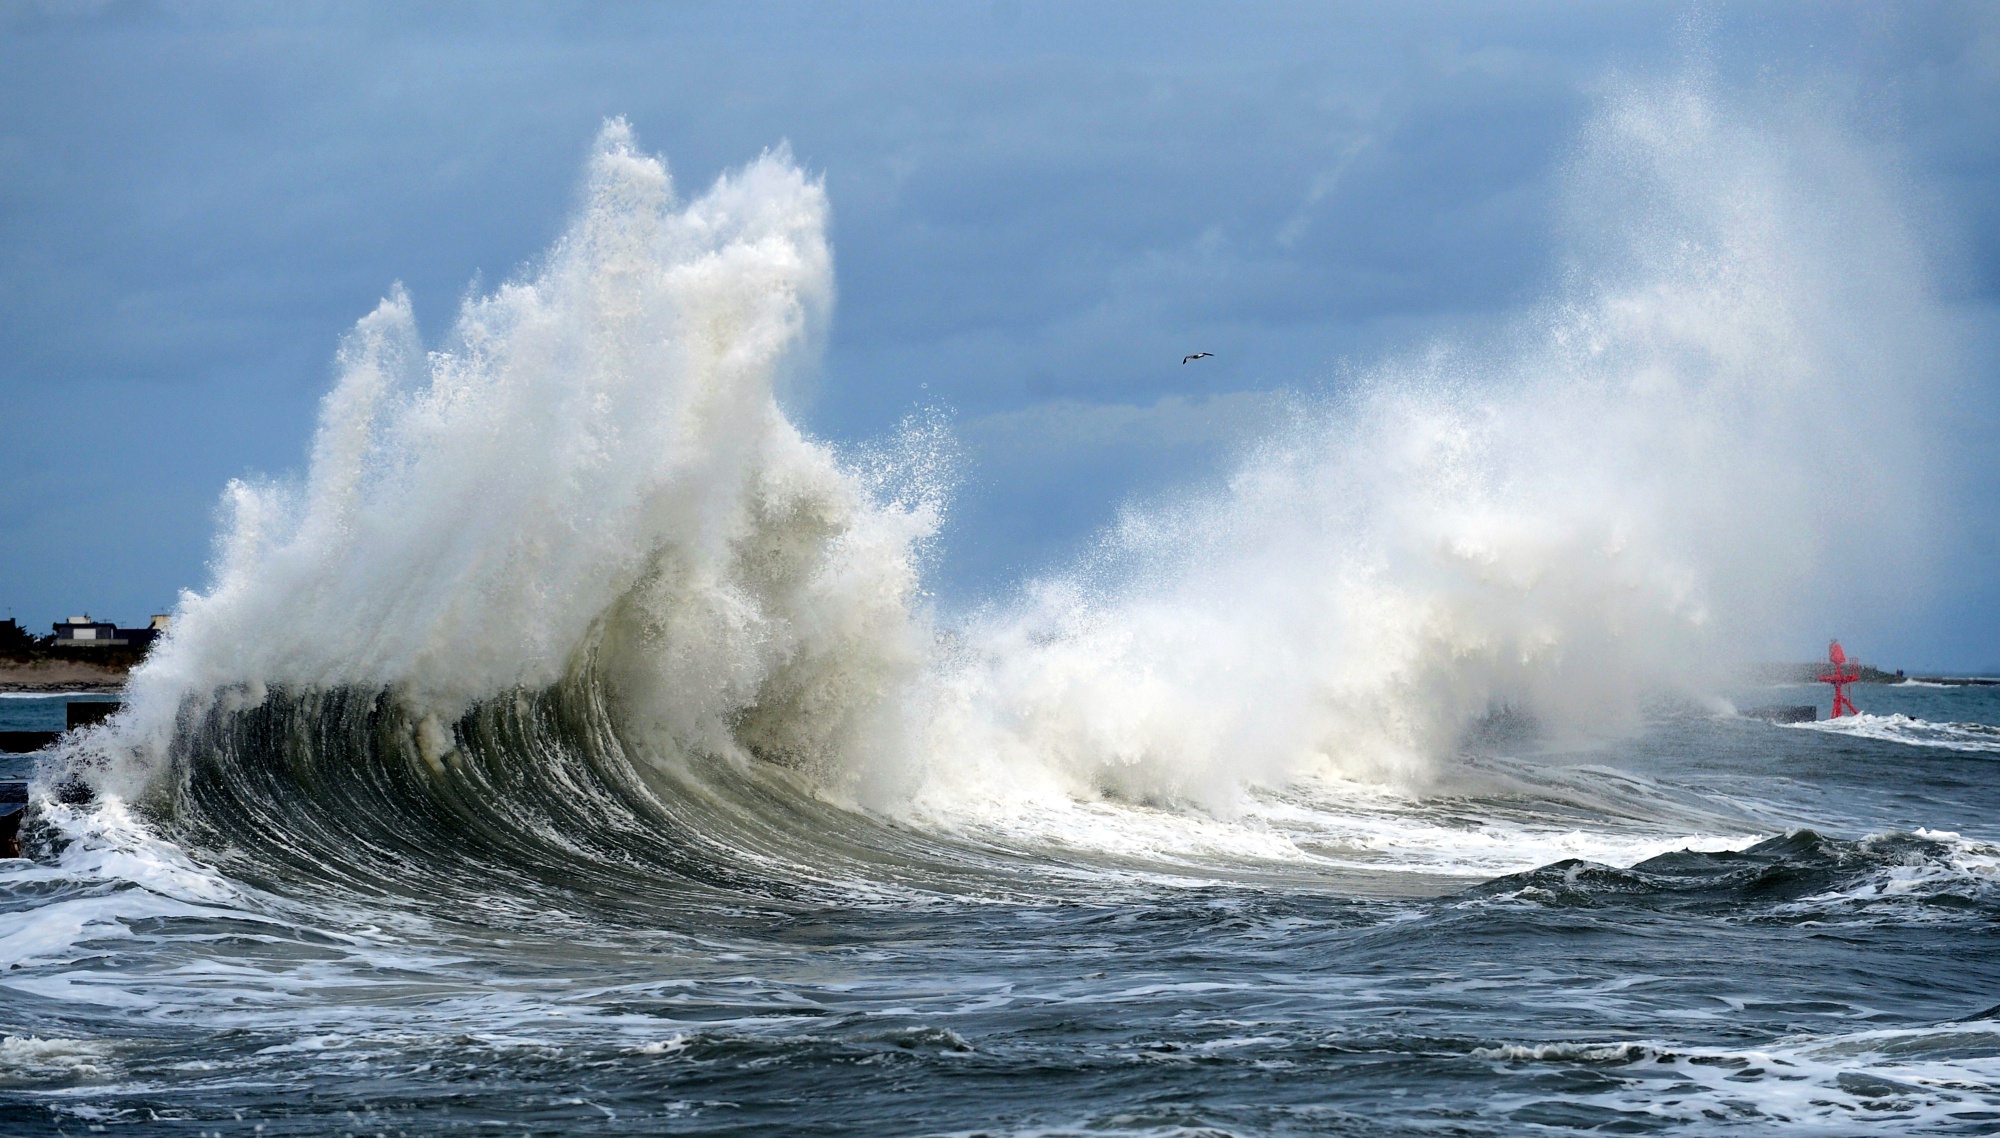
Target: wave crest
596,464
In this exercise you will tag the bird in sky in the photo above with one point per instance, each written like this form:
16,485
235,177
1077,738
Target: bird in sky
1196,356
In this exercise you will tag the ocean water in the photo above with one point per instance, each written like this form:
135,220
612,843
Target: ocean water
1720,925
577,747
31,711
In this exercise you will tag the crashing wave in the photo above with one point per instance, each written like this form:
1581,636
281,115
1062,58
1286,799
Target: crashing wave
592,487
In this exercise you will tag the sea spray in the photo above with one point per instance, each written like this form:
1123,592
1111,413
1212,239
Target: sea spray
1650,478
594,470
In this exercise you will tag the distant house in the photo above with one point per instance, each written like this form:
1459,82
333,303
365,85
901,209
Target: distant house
83,632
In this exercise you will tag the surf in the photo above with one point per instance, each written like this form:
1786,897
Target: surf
574,580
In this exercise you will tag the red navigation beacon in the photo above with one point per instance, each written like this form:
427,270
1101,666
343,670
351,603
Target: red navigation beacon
1840,676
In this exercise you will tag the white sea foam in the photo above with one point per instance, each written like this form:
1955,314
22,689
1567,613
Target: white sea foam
110,870
1964,873
1899,728
30,1060
1321,825
1911,1079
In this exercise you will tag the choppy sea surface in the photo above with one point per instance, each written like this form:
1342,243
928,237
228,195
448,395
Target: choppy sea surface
1719,926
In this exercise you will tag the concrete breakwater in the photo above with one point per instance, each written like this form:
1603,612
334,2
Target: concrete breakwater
77,713
1787,713
14,792
14,808
26,742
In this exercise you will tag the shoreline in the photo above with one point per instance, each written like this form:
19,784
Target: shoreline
52,677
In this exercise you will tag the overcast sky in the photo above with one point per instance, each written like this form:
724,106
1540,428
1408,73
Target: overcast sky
1038,208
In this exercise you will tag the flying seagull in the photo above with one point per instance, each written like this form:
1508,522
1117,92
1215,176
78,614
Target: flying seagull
1196,356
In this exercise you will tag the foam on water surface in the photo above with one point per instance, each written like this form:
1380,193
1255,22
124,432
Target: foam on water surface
1900,728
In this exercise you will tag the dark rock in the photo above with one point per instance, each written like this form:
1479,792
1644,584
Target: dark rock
13,807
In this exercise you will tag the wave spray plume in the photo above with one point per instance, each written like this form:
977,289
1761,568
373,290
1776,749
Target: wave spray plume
1627,493
595,470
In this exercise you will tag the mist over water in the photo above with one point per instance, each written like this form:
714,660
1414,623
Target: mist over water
578,720
1644,485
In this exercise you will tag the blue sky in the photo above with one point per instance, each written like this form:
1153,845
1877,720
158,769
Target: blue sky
1037,209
